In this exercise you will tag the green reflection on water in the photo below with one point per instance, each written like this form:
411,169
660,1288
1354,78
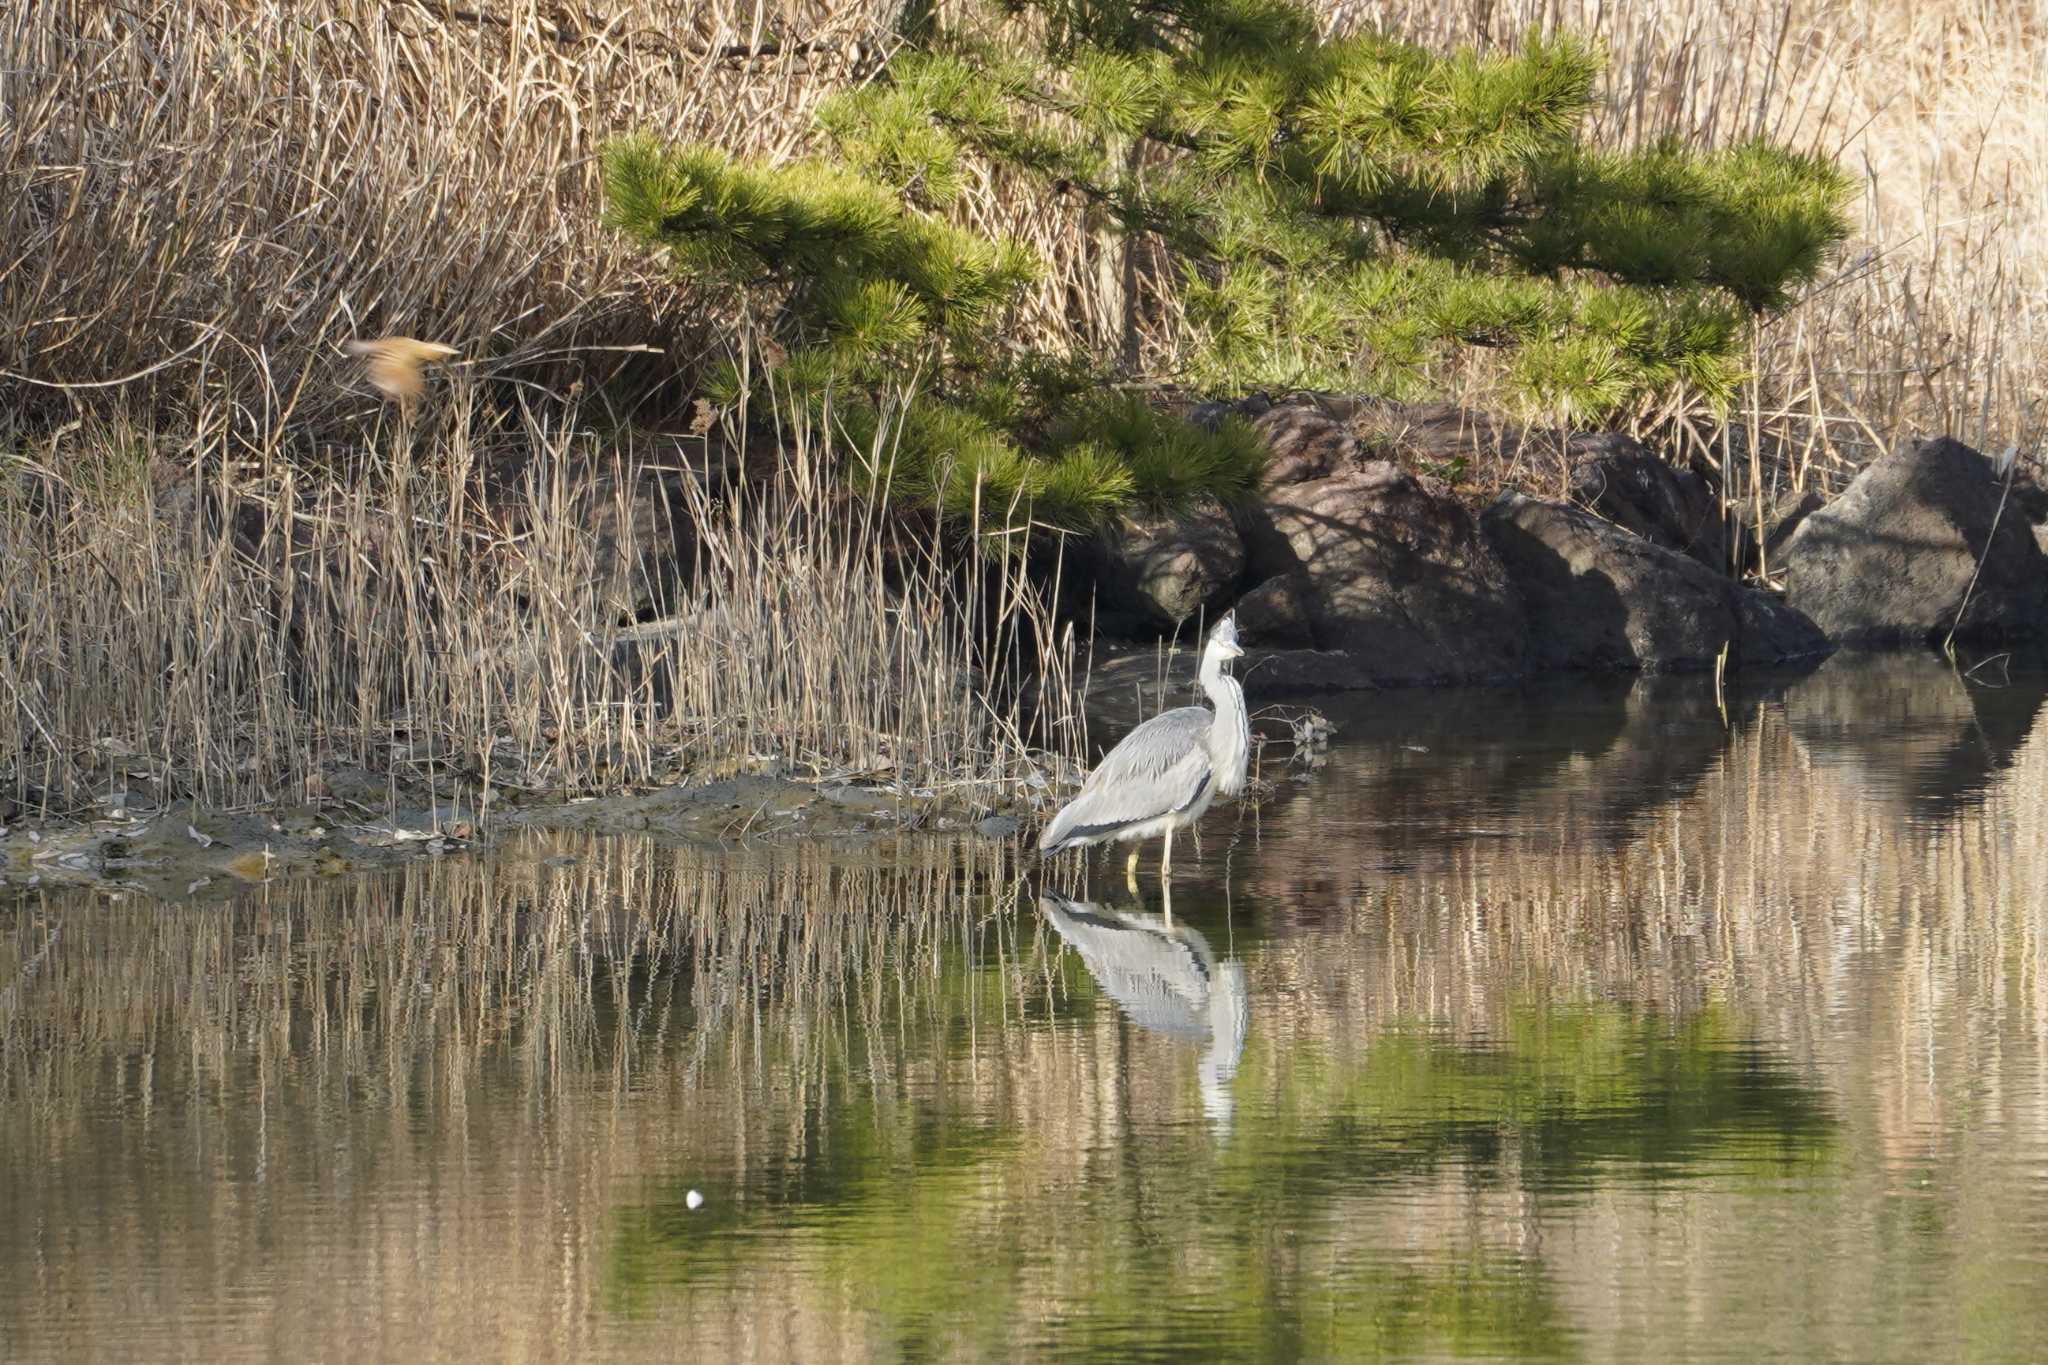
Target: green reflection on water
1564,1091
949,1231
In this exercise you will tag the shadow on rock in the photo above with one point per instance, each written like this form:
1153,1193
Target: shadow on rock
1921,543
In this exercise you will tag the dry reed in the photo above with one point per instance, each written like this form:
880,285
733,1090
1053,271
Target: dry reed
231,640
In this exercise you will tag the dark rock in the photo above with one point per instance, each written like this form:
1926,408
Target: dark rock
1305,442
1210,416
1127,684
1894,557
1621,480
632,520
1158,571
1394,571
1446,440
1275,615
1270,674
2028,497
998,827
1601,598
1782,517
643,542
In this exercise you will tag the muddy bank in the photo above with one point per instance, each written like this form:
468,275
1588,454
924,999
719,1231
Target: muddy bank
767,808
364,823
186,851
183,850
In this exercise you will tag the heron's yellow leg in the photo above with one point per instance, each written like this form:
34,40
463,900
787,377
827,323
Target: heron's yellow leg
1166,901
1166,856
1131,869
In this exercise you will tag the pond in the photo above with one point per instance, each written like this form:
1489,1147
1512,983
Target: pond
1603,1021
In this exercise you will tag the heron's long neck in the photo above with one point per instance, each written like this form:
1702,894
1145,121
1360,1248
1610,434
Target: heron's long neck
1230,734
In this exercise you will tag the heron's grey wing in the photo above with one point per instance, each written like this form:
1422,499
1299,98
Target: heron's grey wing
1157,768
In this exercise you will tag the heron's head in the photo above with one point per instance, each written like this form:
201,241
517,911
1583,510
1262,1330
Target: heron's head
1223,639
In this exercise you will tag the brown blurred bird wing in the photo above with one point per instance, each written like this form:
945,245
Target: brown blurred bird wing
394,363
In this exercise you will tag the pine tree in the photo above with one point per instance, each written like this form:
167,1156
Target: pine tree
1344,213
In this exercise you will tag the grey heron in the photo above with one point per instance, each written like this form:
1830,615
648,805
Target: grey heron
1164,774
1165,979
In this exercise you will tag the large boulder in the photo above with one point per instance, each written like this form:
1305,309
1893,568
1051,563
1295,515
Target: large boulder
1782,517
1602,598
1896,557
1305,442
1623,481
1275,614
1394,571
1156,571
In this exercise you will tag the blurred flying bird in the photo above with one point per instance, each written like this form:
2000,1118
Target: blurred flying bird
394,364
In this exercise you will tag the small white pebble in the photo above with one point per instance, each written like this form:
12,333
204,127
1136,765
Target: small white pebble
693,1200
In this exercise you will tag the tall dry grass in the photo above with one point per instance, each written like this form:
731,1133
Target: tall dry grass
230,638
231,563
203,197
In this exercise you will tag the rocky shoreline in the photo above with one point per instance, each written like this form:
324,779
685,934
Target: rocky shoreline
185,850
1357,568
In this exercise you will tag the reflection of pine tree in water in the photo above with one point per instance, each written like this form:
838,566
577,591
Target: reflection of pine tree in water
1165,978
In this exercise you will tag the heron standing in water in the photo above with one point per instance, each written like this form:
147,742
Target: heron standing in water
1166,772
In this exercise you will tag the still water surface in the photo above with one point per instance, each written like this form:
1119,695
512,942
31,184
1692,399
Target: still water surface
1569,1024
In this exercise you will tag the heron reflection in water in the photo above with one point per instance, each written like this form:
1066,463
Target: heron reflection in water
1165,978
1164,774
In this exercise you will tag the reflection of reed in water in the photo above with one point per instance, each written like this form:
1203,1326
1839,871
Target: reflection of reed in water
1855,868
1164,977
1757,975
563,962
291,1071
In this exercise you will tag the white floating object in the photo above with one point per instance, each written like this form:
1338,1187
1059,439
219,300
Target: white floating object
204,841
693,1200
